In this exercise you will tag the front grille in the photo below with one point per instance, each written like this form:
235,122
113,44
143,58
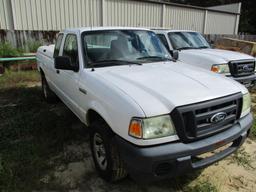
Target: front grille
193,122
242,68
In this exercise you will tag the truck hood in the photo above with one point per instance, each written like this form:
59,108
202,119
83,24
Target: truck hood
218,55
160,87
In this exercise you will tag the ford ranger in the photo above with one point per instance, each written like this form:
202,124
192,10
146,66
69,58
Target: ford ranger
149,116
195,50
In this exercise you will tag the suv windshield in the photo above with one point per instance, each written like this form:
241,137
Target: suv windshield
119,47
187,40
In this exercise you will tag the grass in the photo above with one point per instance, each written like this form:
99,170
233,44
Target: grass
30,132
253,131
33,45
242,158
18,79
201,186
7,50
33,133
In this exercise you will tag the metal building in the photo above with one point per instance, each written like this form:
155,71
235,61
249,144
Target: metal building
55,15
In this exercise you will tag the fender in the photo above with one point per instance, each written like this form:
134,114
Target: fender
98,108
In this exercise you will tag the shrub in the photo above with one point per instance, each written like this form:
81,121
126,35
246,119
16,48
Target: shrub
7,50
33,45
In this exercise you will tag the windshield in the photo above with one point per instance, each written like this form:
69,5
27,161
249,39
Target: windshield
108,47
187,40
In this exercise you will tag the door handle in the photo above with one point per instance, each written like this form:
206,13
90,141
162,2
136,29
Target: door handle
57,71
82,90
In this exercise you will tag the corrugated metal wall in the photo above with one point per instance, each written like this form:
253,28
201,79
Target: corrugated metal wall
46,15
133,13
184,18
220,23
55,14
5,15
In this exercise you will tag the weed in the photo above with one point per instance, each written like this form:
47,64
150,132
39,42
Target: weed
201,186
253,131
33,45
7,50
31,132
18,79
242,158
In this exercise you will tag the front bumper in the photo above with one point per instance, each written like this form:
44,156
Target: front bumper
247,81
174,159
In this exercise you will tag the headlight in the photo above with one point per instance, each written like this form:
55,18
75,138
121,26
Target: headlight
246,104
222,68
151,128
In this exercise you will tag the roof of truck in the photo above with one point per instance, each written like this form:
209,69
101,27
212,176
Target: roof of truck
171,30
82,29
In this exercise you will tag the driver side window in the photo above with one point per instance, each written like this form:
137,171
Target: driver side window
71,49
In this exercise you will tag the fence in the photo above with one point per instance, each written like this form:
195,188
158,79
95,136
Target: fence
215,37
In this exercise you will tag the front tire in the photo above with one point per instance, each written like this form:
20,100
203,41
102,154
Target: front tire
105,155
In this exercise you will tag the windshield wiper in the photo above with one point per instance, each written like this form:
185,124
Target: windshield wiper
203,47
113,62
156,57
183,48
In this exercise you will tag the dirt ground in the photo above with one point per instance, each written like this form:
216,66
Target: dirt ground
43,147
235,173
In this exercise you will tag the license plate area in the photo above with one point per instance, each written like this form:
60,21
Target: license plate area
203,156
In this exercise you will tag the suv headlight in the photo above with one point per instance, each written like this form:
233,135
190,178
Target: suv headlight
222,68
246,104
151,128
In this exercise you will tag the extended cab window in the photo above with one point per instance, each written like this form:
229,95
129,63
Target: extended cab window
163,40
57,45
70,49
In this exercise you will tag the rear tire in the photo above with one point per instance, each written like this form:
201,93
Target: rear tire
106,158
48,94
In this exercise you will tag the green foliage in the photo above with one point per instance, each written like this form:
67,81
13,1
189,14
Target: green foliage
253,131
201,186
13,79
33,45
31,132
7,50
242,158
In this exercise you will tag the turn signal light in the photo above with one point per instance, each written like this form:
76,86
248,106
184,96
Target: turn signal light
135,128
215,69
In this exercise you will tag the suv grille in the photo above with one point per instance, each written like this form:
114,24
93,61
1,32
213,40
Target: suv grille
242,68
195,122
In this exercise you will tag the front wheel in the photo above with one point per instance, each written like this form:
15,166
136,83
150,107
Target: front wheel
105,155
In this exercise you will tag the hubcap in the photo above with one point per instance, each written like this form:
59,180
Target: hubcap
100,151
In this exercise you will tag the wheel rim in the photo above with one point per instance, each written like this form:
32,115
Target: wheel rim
100,151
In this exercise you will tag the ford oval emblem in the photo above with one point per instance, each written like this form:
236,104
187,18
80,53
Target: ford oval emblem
246,68
218,117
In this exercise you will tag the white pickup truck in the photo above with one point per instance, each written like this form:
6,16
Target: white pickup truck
148,115
195,50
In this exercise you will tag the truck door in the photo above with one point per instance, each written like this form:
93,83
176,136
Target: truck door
68,80
51,71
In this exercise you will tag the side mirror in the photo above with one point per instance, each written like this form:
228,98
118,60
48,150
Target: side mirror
64,62
211,42
175,54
